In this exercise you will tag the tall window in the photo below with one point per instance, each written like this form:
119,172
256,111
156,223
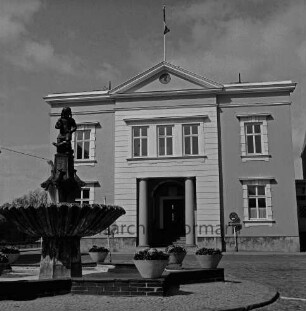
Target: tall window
165,140
82,143
83,196
257,202
140,141
191,139
253,138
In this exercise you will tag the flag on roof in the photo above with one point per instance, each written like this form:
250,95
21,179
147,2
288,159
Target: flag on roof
166,29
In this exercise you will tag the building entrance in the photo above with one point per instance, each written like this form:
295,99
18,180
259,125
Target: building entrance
168,211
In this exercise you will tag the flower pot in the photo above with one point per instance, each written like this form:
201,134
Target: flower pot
98,256
176,258
12,257
151,269
3,267
209,261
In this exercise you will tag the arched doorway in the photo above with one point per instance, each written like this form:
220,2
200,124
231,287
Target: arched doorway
168,223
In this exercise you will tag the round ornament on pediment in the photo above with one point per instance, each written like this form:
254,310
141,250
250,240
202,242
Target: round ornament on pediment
164,78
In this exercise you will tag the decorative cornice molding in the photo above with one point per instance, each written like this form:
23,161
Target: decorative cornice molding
255,104
89,123
250,115
53,99
165,118
163,107
56,114
246,179
282,86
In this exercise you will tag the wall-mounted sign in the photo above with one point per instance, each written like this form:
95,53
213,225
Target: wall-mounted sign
234,217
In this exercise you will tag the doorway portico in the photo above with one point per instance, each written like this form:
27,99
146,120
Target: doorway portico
166,211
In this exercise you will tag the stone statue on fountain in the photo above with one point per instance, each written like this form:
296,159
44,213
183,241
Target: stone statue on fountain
66,125
63,184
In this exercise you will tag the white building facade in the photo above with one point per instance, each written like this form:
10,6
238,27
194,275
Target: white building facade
153,145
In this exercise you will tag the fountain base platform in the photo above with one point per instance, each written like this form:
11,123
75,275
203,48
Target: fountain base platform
126,281
119,280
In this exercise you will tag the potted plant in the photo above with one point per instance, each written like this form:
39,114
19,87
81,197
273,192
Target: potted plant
11,252
3,262
150,262
208,258
176,254
98,253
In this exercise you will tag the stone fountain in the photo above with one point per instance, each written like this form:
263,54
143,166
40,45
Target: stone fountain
62,223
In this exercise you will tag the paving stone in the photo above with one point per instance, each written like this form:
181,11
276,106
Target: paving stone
286,273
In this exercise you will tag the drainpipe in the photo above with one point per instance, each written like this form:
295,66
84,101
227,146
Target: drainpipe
223,244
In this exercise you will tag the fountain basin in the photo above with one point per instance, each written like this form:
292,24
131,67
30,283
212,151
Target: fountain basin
61,227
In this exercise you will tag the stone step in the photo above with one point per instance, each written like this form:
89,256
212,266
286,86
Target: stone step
180,241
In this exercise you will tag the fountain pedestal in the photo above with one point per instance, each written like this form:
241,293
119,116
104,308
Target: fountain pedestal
60,258
63,184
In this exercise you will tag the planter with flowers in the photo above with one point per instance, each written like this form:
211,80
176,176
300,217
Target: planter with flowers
11,252
176,254
208,258
98,254
3,262
151,263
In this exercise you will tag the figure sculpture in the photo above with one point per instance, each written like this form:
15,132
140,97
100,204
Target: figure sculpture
66,125
63,184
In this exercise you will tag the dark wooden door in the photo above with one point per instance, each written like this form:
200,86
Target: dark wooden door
174,218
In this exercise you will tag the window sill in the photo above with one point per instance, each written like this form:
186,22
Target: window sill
258,222
256,157
85,162
166,158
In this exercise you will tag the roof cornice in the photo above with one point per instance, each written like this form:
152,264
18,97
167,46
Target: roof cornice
288,86
77,97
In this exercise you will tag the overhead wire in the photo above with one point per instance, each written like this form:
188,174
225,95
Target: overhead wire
26,154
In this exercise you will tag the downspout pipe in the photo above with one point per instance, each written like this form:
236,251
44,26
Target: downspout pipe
221,188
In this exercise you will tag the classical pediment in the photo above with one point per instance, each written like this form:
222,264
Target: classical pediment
165,77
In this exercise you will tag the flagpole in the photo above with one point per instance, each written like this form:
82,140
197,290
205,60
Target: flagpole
165,31
164,47
164,19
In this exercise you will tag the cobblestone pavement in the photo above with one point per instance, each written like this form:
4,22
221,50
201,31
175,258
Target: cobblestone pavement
286,273
194,297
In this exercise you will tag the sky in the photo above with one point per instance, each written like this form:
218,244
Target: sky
52,46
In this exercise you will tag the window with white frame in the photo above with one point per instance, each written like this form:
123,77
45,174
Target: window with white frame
165,140
257,201
253,133
85,195
84,143
254,136
140,141
191,139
